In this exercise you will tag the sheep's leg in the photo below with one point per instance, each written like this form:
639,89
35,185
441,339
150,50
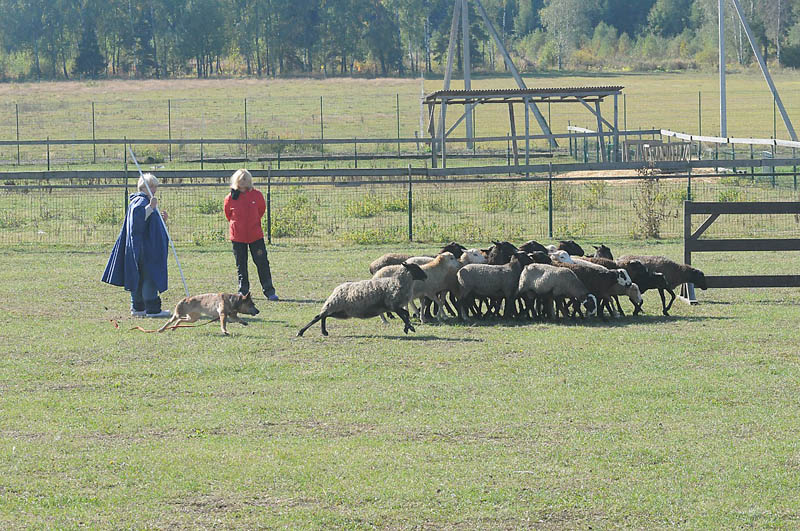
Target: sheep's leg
414,309
637,307
619,306
576,305
511,307
383,319
324,330
672,299
405,317
314,320
461,305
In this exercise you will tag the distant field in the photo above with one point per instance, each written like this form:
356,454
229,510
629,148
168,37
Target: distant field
358,108
650,422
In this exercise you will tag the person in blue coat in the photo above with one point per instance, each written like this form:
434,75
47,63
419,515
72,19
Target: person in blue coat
138,261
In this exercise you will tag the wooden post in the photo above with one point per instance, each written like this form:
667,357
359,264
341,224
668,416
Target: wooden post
514,133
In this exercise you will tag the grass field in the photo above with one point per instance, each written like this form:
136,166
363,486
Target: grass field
688,421
358,108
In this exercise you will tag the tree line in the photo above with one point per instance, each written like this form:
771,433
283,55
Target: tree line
64,39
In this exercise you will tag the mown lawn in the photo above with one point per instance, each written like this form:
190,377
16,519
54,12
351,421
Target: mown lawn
645,422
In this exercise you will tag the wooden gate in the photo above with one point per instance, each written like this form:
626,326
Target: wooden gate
693,244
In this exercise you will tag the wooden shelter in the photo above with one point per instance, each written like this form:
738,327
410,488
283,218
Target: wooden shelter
589,97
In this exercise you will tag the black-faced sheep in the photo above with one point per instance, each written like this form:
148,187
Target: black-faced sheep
485,280
547,284
370,298
600,282
674,273
641,276
532,246
571,247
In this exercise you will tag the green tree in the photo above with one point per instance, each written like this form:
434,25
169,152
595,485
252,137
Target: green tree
565,21
89,62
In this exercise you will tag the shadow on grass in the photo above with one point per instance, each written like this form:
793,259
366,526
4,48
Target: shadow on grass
627,320
416,337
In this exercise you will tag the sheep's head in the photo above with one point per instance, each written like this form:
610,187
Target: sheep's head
501,252
522,258
571,247
456,248
448,260
472,256
532,246
635,295
416,271
561,256
603,252
623,278
590,305
698,278
539,257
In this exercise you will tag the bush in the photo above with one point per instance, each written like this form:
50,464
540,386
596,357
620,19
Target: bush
8,220
375,236
107,215
650,205
208,237
500,199
296,218
209,206
731,195
595,192
366,207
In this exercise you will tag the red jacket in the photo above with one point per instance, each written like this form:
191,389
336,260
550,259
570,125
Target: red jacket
244,215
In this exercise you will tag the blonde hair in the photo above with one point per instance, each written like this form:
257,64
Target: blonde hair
148,179
241,178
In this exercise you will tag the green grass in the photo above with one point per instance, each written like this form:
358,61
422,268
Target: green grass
686,421
356,108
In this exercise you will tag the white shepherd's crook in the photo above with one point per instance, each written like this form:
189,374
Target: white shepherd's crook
172,245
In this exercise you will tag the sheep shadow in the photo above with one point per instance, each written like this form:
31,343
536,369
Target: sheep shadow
415,337
301,301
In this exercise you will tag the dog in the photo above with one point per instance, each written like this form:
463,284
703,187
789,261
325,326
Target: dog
222,306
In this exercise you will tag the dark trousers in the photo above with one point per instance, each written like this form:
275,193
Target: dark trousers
258,250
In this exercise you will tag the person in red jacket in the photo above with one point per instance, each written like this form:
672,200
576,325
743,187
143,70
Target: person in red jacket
244,208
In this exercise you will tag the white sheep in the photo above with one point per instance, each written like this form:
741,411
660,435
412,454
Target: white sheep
546,282
370,298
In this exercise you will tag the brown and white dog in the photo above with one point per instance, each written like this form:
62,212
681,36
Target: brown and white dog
222,306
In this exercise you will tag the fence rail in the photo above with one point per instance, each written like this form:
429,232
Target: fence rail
346,206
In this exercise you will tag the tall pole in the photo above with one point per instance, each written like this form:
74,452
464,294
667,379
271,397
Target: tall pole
764,71
467,66
723,111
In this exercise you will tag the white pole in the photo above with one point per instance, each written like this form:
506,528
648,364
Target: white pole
723,112
171,244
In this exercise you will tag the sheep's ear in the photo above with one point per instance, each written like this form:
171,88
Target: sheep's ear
596,247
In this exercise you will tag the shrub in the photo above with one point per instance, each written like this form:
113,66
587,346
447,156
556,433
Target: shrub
396,203
375,236
296,218
8,220
650,205
500,199
209,237
595,192
731,195
107,215
209,206
366,207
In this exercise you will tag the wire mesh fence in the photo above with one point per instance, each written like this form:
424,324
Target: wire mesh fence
334,212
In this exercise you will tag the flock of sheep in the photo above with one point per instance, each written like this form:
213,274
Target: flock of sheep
530,281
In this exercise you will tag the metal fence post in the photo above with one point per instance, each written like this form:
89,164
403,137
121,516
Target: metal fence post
355,152
585,150
16,107
752,168
321,127
94,139
772,168
48,153
169,127
550,199
410,207
245,129
125,155
689,184
397,108
269,204
201,153
794,168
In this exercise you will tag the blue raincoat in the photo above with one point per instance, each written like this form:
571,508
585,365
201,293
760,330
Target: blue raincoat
141,243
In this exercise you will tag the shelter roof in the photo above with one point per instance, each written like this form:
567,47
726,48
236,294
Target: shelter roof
554,95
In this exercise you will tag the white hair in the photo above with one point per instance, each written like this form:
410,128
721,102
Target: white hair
147,179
